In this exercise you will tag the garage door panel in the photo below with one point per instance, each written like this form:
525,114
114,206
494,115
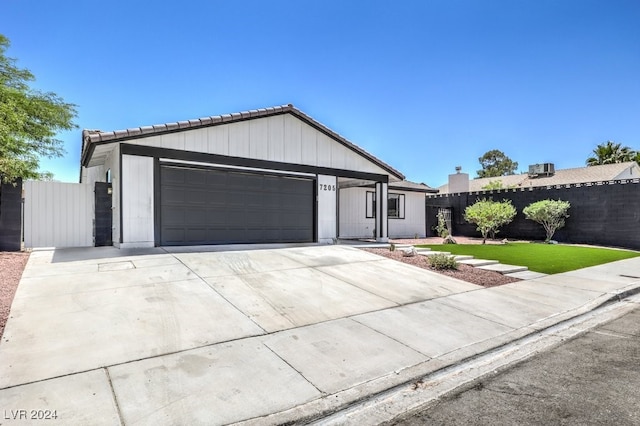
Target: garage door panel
173,175
195,177
200,206
173,216
174,234
196,235
216,218
195,217
216,180
195,196
172,194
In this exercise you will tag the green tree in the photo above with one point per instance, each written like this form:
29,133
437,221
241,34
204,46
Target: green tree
495,163
489,215
496,184
610,153
493,184
549,213
29,121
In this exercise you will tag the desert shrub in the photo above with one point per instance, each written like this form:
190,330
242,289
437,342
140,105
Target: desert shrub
441,227
442,261
549,213
489,215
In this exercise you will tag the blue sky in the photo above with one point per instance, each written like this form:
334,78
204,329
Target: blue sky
424,85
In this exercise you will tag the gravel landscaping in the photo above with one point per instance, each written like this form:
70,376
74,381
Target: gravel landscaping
11,267
464,272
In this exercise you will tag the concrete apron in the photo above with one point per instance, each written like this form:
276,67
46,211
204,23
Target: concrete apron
264,336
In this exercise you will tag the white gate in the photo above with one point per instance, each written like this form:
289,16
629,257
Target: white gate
58,214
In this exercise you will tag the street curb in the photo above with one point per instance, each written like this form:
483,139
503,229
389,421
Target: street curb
385,398
414,396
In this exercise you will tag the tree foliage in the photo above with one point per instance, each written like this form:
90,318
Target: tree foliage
549,213
29,121
489,215
495,163
493,184
611,153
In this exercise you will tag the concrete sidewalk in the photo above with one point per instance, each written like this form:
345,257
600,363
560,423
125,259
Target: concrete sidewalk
260,337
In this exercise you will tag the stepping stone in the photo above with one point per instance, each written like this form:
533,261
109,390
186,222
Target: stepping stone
478,262
526,275
432,252
403,246
462,257
503,269
419,249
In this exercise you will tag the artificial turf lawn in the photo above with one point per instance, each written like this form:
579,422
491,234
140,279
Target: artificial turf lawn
545,258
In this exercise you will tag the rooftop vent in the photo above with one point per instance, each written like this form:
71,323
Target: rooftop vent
544,169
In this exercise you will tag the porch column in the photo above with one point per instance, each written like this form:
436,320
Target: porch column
382,235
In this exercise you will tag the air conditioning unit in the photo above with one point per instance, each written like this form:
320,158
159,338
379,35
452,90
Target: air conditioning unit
544,169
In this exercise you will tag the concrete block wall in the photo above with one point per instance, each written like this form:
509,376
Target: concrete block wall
602,213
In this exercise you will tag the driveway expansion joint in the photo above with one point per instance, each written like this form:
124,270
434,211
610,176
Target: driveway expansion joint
113,395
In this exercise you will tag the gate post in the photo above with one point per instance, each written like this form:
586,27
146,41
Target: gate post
103,221
11,216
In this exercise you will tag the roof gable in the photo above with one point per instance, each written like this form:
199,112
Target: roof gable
94,138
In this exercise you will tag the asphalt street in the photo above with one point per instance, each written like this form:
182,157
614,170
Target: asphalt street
593,379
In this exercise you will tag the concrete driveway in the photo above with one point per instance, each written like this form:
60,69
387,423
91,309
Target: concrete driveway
158,336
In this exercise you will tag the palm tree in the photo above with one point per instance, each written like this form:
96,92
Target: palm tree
610,153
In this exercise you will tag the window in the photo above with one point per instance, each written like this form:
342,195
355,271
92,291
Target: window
371,205
395,206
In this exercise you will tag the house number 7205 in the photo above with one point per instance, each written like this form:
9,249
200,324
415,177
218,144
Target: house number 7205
326,187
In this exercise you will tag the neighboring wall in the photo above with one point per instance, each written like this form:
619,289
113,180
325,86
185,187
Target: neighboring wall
58,214
11,216
602,213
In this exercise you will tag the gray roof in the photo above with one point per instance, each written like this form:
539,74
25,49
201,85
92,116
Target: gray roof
91,138
407,185
588,174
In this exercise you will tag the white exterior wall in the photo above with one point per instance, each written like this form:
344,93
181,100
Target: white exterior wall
355,224
282,138
353,221
631,172
90,175
327,193
58,214
137,202
414,221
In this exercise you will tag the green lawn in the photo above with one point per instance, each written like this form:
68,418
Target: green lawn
545,258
